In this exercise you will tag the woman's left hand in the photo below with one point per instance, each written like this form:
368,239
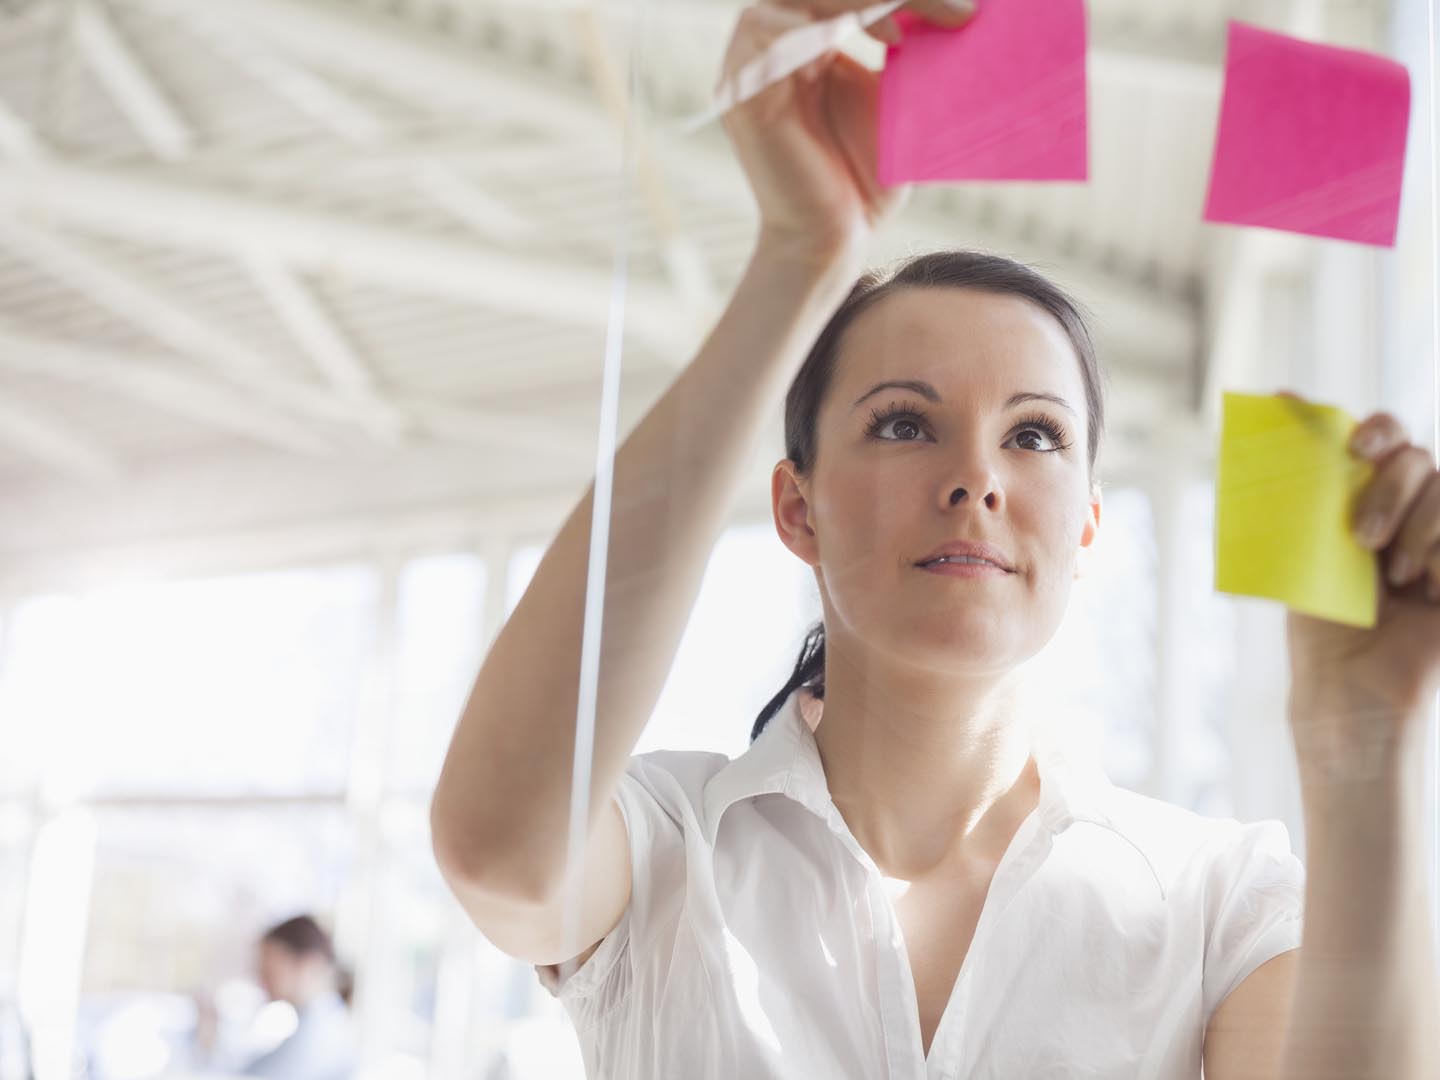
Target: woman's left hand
1362,689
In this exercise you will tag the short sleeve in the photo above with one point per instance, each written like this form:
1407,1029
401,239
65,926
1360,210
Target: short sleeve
605,979
1255,907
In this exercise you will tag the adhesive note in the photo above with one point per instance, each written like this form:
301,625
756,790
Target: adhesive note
1284,501
1311,139
1000,98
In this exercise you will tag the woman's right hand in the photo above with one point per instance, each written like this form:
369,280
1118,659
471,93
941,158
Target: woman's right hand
808,142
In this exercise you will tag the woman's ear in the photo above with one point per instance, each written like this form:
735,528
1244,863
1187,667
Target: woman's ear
1085,556
790,506
811,707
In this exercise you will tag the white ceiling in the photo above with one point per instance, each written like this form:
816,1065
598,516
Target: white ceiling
288,264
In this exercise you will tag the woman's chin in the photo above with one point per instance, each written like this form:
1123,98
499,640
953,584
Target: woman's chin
958,646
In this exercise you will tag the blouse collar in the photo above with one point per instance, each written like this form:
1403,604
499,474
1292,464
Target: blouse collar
785,760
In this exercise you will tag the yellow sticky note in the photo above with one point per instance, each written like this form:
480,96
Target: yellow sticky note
1284,501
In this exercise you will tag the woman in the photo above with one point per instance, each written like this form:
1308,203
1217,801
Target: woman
895,880
297,964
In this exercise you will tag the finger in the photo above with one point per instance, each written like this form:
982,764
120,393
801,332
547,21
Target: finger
946,13
1419,531
1376,436
886,31
851,116
812,71
1432,574
755,30
1384,505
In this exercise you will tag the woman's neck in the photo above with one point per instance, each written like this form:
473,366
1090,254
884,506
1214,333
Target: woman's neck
925,775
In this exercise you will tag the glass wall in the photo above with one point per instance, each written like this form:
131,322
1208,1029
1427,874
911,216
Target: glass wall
189,762
349,294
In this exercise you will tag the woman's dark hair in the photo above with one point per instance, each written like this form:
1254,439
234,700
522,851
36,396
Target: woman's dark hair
303,936
936,270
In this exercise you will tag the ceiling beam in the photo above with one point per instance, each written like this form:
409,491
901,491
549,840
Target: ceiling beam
1155,326
1122,47
132,87
148,306
275,74
479,155
157,383
356,124
153,207
438,69
488,217
145,206
476,426
54,445
317,332
17,139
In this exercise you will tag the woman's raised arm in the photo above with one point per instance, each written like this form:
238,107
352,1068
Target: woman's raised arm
500,810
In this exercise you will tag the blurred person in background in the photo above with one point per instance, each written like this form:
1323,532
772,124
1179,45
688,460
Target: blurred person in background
297,965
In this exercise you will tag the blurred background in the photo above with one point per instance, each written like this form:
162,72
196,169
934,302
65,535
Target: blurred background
302,318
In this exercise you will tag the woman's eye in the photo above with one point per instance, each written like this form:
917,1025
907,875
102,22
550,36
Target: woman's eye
901,425
905,429
1034,431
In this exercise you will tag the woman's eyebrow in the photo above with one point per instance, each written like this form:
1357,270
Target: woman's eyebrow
929,392
924,389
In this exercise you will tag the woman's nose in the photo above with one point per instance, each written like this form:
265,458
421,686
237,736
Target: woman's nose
970,474
960,493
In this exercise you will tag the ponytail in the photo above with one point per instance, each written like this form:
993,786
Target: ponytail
809,673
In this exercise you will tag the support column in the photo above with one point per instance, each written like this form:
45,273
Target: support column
362,917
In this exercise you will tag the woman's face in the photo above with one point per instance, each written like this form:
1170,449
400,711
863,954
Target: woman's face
878,498
276,969
286,975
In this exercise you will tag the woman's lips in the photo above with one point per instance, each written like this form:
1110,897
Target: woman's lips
952,569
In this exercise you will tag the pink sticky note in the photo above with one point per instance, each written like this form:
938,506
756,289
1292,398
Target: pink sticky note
1311,138
1000,98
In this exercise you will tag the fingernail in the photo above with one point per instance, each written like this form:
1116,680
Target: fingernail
1369,443
887,30
1372,529
1400,568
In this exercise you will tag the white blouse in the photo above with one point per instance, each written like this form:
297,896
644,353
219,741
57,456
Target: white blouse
760,940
